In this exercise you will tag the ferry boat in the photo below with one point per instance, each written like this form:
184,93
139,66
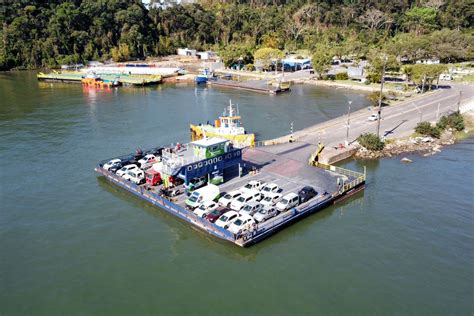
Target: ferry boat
228,126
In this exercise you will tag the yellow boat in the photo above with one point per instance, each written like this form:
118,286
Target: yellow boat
228,126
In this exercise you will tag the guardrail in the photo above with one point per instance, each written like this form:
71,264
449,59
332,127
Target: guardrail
357,177
169,206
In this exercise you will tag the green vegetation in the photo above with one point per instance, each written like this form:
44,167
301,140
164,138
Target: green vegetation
426,129
374,98
454,120
342,76
371,141
49,33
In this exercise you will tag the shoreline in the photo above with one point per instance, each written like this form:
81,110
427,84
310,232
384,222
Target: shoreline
418,144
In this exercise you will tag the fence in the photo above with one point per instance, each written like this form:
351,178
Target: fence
168,206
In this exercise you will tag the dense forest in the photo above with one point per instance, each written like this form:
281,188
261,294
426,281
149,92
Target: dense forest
50,33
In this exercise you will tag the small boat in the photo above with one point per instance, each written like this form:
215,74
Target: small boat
204,76
228,126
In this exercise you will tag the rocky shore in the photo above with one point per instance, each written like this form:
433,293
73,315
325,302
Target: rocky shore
425,146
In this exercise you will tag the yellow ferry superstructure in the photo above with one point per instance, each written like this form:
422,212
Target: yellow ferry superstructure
228,126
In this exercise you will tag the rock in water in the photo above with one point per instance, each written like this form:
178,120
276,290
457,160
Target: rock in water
405,159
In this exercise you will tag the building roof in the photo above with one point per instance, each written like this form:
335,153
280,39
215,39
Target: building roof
207,142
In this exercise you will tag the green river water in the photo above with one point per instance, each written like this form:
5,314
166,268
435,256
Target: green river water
72,244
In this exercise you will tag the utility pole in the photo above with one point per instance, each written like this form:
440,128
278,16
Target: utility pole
459,101
291,132
380,96
348,122
423,85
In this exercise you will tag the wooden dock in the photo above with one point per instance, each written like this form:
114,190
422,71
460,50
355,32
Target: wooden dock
261,86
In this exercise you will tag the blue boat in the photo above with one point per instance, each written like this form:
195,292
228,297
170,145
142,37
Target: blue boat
204,76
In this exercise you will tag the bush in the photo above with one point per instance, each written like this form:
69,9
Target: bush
371,141
374,77
425,128
374,98
453,120
342,76
249,67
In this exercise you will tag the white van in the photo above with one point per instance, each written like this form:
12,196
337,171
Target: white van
205,194
288,201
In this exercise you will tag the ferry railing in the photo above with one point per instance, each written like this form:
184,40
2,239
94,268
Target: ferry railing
171,207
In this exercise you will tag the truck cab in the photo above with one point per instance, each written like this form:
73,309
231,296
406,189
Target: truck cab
153,177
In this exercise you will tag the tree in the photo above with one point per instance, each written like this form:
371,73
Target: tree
321,61
424,75
236,54
267,56
374,19
450,45
420,20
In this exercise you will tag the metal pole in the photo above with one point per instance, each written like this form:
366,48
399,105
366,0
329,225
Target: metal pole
380,96
437,112
459,101
348,121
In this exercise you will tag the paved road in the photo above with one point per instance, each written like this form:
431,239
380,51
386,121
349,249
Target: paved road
397,121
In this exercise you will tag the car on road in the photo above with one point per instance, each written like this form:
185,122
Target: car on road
265,214
113,164
252,185
271,199
136,176
374,117
122,171
226,218
288,201
270,188
306,194
251,208
229,197
215,214
242,224
205,208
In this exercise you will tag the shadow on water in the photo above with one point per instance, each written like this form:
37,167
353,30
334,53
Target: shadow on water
184,231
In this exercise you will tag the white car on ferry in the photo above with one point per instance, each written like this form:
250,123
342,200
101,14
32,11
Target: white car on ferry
112,163
205,208
242,224
124,170
271,199
270,188
245,198
288,201
229,197
147,161
136,176
225,219
265,214
252,185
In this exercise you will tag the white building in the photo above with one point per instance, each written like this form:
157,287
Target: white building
186,52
